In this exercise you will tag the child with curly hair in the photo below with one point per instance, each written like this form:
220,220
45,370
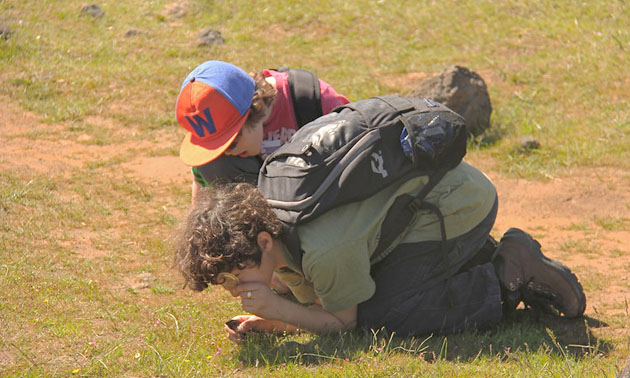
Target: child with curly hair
231,233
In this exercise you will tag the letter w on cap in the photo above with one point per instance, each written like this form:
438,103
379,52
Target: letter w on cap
208,123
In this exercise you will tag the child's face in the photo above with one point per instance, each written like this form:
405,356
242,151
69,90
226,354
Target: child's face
248,142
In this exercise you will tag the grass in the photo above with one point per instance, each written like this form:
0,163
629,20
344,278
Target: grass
613,223
75,243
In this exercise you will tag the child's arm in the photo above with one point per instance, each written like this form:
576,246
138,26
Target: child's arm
272,308
239,325
195,189
198,182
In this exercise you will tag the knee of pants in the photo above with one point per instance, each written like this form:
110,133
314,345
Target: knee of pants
467,300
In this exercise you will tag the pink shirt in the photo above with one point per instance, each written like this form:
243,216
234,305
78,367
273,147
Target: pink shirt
281,124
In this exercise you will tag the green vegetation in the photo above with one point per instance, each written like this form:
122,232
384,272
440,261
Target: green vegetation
86,287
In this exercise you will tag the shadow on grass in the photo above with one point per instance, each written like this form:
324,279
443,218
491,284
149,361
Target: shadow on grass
489,137
524,331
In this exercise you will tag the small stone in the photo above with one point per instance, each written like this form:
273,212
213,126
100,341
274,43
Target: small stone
92,10
176,10
528,143
209,37
146,277
5,31
142,281
133,33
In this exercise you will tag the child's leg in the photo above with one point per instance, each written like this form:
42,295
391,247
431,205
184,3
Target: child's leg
407,304
418,290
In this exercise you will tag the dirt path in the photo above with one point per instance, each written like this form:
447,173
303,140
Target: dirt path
582,218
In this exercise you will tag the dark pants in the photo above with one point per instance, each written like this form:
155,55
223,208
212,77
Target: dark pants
227,168
418,291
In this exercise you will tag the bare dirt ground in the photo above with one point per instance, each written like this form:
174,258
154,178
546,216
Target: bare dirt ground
575,217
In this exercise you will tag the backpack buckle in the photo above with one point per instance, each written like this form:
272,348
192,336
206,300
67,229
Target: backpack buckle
416,205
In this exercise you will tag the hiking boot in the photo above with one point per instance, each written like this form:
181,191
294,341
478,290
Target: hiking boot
527,275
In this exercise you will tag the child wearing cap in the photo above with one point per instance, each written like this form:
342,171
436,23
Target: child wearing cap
235,119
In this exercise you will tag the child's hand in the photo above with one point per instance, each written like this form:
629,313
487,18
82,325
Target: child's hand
240,325
278,285
258,298
235,328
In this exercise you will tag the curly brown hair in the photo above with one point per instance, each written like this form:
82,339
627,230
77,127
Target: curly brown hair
263,99
220,233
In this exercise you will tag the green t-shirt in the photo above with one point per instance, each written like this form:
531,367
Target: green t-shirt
338,245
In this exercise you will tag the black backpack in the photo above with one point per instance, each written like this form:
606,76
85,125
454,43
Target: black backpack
305,94
355,151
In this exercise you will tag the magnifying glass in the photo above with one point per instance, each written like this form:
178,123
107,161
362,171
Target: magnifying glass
228,280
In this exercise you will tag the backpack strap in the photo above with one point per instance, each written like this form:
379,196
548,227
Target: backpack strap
291,240
403,211
305,94
406,104
401,104
420,203
398,217
369,114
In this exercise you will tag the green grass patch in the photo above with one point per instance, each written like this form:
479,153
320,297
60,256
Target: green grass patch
613,224
557,75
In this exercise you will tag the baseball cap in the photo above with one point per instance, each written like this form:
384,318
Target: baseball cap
213,104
